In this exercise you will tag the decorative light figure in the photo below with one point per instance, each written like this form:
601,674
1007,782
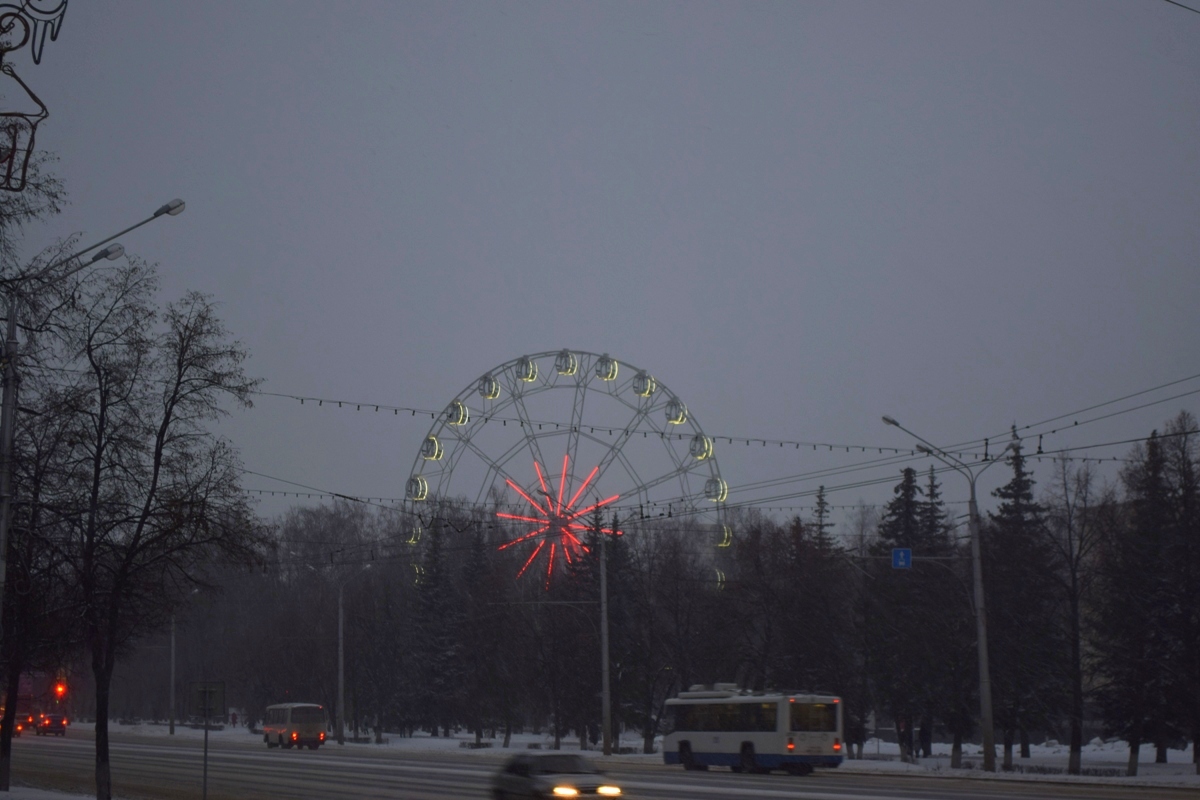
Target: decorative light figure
555,525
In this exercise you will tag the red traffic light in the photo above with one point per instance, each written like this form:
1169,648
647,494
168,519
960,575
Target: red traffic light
60,689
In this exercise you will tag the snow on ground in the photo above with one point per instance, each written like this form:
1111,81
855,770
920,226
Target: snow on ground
1103,762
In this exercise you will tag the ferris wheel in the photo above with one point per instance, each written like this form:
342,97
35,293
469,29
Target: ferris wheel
543,442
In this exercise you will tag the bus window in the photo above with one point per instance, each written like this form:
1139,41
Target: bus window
726,717
308,714
814,717
757,717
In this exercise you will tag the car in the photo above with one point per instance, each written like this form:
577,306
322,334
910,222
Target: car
52,724
548,776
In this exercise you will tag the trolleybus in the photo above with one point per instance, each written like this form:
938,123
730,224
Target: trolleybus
722,725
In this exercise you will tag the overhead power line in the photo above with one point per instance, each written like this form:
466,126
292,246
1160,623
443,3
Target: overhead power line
1181,5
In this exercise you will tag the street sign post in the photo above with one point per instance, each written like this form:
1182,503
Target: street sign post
207,698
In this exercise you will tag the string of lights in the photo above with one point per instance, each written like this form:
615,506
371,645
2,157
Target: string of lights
963,450
765,504
323,402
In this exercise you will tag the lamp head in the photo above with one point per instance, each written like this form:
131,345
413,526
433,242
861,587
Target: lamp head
173,208
112,252
890,421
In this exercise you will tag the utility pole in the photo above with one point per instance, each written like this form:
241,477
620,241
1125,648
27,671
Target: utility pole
986,722
606,695
172,692
341,709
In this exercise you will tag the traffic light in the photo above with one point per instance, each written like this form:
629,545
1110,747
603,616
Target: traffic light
60,689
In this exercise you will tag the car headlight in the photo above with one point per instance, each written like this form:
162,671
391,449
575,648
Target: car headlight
610,791
566,791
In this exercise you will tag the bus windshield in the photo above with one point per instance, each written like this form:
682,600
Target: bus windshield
814,717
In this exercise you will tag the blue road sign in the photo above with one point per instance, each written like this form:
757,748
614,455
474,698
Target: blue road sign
901,558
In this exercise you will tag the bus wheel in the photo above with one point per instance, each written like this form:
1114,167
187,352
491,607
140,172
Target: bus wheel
688,759
749,764
267,740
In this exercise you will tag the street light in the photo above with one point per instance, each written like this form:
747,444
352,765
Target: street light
11,379
341,658
985,678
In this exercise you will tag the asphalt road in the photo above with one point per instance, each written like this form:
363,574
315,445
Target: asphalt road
166,769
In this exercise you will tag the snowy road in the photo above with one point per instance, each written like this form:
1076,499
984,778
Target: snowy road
158,768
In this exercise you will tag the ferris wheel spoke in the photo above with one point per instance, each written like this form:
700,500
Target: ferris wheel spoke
531,441
615,448
492,465
576,423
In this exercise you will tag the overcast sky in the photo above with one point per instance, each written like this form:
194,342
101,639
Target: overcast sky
798,215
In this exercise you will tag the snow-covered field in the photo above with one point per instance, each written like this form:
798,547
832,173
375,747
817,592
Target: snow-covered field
1103,762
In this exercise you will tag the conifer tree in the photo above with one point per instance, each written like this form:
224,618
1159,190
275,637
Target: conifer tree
899,616
1183,575
1131,640
1022,600
951,632
439,629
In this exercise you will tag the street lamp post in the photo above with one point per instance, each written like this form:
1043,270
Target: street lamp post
171,701
341,709
11,378
341,688
981,643
606,694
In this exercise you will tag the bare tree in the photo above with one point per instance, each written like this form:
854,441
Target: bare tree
152,497
1076,513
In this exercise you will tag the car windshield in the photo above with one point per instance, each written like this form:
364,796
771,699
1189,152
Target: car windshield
562,765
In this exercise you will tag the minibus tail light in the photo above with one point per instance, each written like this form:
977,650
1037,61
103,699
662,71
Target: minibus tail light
837,745
791,744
